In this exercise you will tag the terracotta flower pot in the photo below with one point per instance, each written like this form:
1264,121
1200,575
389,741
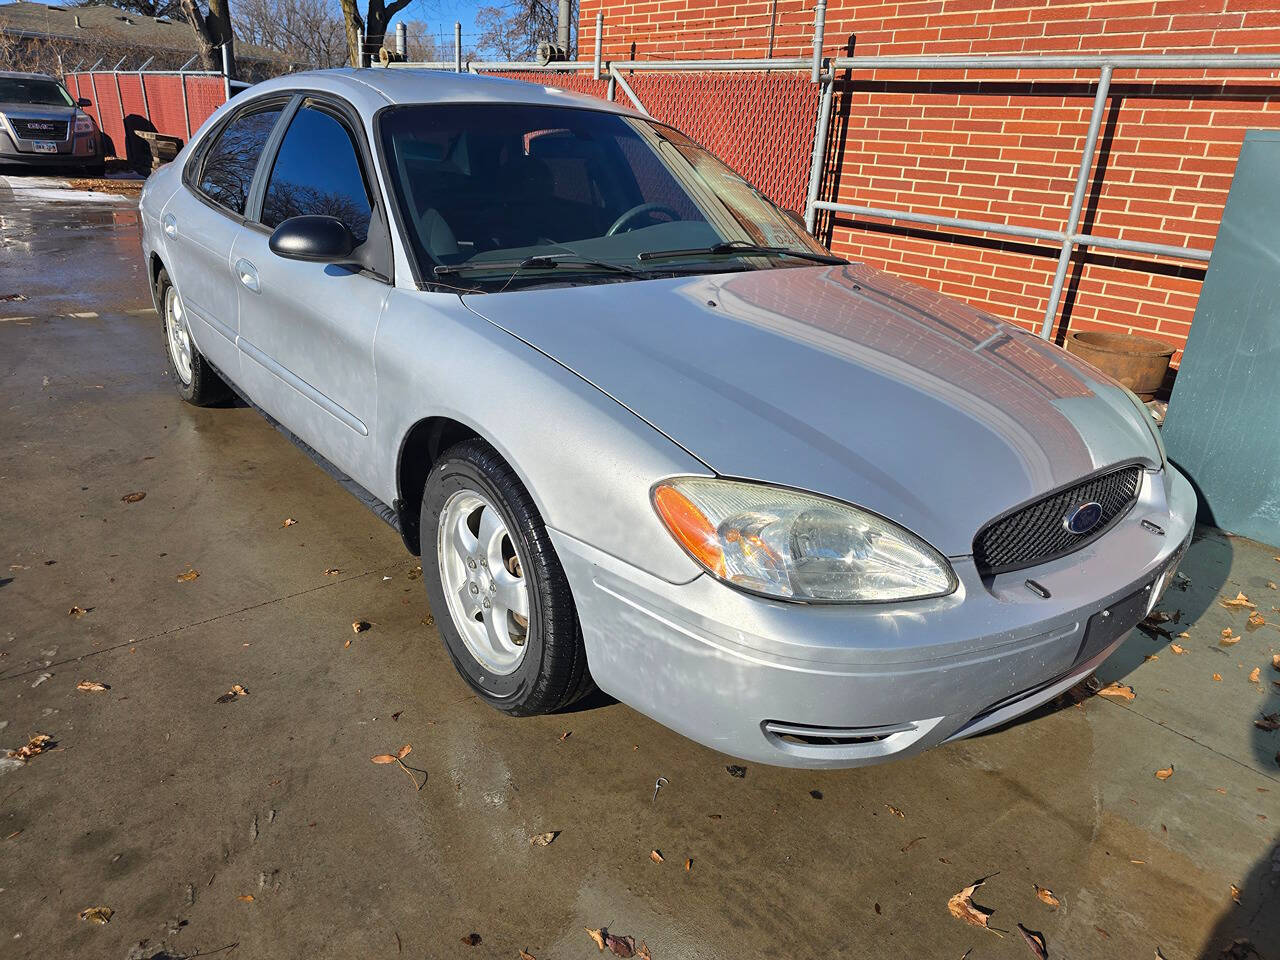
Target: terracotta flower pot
1136,360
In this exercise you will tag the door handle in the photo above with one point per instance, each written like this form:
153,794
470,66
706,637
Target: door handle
170,225
248,274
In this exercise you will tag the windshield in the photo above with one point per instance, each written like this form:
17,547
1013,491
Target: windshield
499,196
45,93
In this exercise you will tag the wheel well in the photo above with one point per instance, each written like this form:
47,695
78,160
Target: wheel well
422,446
156,266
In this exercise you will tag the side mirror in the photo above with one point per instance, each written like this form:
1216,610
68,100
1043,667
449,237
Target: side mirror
84,102
313,238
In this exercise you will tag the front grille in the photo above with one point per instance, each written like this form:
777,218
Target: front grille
1037,533
39,129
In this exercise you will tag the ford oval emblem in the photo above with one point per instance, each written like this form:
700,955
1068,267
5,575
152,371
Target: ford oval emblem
1083,518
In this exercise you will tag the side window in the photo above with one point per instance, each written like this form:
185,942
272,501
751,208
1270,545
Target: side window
228,165
317,173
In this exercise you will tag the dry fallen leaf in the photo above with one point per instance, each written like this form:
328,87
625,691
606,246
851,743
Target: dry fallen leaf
360,626
963,908
1165,774
1256,620
688,865
77,612
97,914
384,758
895,811
1150,658
655,856
188,576
331,571
1035,942
1268,722
36,745
471,939
1271,585
1255,675
1235,893
544,839
1239,600
235,691
526,955
245,898
597,936
624,947
1275,661
404,751
1046,896
92,686
1217,678
1228,638
134,497
1177,649
565,736
736,770
288,522
1118,690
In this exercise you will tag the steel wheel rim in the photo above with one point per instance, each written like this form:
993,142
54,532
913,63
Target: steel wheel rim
483,579
175,326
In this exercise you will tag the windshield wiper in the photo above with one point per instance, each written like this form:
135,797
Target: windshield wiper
740,248
546,261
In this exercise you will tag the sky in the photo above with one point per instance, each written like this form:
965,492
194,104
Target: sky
441,14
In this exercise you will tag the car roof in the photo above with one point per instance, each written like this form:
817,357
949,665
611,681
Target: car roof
14,75
371,88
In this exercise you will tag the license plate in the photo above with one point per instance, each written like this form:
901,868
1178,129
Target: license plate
1107,626
45,146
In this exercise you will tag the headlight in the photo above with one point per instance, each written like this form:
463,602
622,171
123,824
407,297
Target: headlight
84,123
1152,427
797,546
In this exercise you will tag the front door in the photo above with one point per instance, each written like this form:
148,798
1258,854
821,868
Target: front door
307,329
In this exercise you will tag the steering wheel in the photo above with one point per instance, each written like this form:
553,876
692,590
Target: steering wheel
640,210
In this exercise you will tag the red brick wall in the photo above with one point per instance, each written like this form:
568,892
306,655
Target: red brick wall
1003,146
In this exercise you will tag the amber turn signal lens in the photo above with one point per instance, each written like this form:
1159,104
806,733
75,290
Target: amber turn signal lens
690,527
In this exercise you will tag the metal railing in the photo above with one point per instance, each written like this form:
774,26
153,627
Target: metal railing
1069,237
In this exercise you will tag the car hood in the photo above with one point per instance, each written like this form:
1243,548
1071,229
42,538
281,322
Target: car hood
49,111
841,381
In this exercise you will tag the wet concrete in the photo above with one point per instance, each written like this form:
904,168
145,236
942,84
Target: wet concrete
172,808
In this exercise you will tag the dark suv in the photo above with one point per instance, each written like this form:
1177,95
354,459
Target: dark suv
42,125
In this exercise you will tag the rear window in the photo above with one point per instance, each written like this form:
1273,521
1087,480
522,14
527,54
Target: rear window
44,93
229,165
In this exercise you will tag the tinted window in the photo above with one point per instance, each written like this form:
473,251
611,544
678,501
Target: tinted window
316,172
230,162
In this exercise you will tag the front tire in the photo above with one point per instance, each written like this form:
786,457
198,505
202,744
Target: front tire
190,372
501,600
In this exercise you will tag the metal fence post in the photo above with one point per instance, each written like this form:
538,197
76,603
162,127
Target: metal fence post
1077,201
402,39
595,71
819,29
626,88
97,107
226,73
142,88
186,110
819,153
124,132
457,46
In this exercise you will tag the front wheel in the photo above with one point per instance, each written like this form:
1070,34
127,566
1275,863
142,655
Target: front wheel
500,596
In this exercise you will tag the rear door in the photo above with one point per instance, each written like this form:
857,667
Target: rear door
201,222
307,329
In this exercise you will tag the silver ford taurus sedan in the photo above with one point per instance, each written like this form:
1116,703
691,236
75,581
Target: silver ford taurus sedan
644,432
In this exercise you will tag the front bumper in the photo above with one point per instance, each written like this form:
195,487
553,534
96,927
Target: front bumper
837,686
84,148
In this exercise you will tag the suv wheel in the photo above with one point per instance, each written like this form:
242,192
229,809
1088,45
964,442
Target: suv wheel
501,599
191,374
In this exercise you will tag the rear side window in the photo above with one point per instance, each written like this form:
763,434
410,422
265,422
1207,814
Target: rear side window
229,164
317,173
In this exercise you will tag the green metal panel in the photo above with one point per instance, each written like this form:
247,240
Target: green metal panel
1223,425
